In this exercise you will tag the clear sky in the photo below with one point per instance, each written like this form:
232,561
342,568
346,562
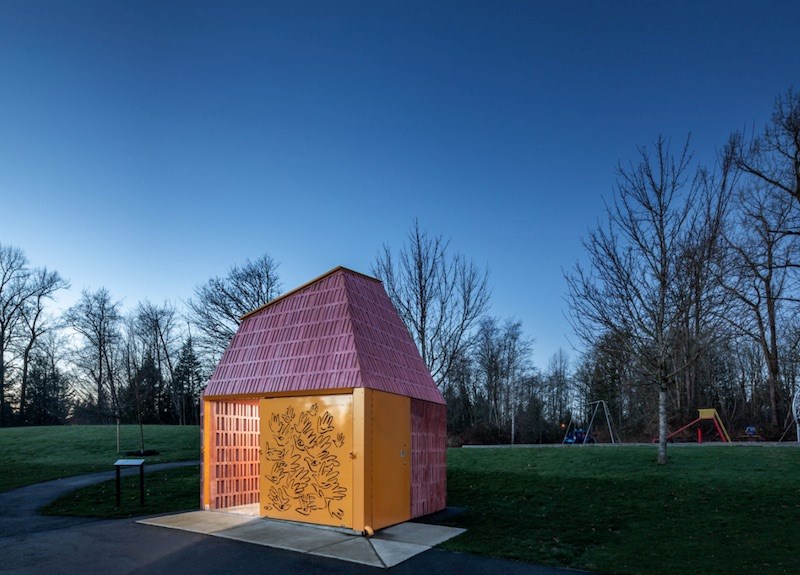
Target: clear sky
147,146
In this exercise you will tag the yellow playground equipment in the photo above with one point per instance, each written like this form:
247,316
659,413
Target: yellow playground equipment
706,414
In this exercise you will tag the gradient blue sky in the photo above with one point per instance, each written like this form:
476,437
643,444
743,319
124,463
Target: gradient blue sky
146,146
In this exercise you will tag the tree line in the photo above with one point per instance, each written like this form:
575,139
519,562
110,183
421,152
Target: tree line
687,298
689,294
96,363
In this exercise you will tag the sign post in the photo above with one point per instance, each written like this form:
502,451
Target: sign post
119,464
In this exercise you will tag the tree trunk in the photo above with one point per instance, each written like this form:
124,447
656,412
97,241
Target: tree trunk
773,363
23,386
2,387
100,402
139,417
662,424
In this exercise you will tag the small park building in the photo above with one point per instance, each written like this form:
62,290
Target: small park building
321,410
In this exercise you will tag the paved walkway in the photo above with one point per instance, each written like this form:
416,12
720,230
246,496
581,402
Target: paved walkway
18,507
31,544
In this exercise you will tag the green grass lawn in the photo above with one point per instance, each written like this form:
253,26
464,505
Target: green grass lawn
167,491
711,510
32,454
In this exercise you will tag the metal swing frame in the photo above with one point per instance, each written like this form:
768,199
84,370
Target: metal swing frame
596,405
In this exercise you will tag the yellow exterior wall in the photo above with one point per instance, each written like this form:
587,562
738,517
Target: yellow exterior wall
340,459
206,475
362,464
306,459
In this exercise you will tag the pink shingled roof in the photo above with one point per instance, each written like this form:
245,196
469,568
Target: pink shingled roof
338,331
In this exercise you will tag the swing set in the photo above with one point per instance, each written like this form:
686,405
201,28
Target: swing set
581,436
796,417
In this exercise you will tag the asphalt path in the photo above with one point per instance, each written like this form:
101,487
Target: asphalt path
18,507
37,545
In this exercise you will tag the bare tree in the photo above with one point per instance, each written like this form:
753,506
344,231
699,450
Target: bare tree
489,366
633,266
765,246
219,304
440,296
516,366
23,292
759,279
773,158
556,384
699,286
156,328
14,292
462,394
96,318
502,361
43,285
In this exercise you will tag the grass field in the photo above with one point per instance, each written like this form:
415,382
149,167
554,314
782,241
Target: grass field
713,509
167,491
32,454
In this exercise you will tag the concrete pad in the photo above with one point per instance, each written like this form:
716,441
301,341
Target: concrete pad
355,550
284,536
418,533
250,509
392,553
207,522
387,548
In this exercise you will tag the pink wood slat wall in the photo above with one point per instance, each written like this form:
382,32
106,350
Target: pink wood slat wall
428,457
234,447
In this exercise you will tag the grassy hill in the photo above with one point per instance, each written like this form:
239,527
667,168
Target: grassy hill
32,454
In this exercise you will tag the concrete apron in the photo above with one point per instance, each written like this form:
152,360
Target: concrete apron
386,548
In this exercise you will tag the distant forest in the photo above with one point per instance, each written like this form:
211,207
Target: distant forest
688,298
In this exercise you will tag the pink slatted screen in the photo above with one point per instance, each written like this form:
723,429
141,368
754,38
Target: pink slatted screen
340,331
428,457
234,454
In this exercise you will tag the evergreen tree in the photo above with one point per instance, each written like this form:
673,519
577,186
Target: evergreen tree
187,384
49,399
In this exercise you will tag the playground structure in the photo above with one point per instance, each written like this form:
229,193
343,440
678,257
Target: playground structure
795,417
705,415
581,436
796,414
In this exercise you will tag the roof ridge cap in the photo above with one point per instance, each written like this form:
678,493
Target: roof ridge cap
307,284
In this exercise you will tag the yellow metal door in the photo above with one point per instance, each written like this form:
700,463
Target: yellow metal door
306,465
391,459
